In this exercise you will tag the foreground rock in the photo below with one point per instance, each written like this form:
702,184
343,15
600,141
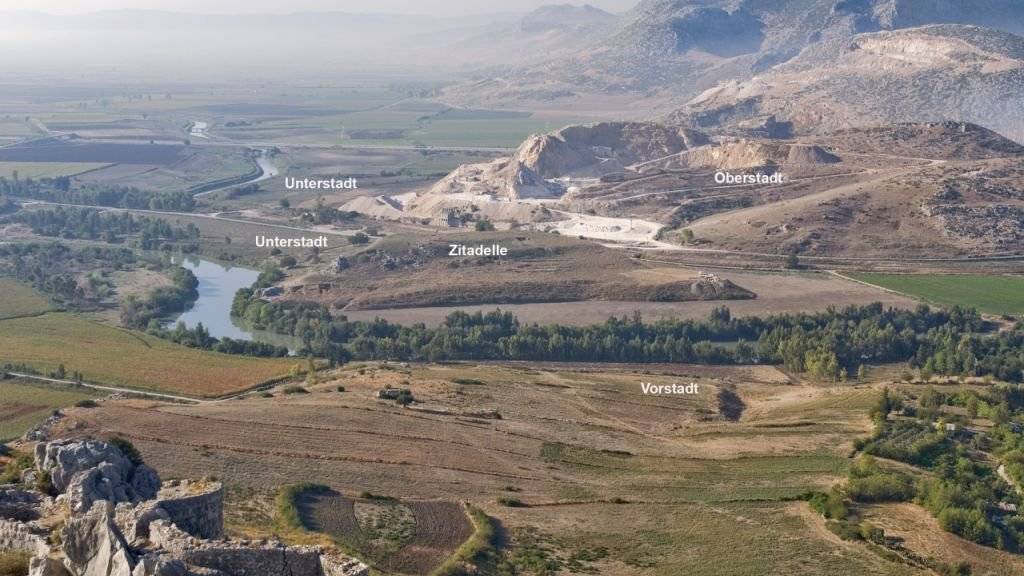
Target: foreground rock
115,518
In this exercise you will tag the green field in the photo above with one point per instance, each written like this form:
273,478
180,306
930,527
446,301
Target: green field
120,357
990,294
24,404
16,300
46,169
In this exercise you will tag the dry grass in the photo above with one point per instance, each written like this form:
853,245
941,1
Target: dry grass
24,404
922,534
613,480
17,299
776,294
130,359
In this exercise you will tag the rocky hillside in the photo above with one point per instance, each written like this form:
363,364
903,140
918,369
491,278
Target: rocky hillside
931,74
586,151
678,48
940,189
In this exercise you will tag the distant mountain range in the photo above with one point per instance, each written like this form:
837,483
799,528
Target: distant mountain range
813,63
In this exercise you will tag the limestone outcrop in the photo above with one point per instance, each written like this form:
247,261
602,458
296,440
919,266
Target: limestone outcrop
115,518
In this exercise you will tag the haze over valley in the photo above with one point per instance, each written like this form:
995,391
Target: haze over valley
710,287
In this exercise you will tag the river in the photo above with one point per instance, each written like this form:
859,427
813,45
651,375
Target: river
217,286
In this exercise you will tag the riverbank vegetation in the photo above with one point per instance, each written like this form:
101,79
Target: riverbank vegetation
829,346
147,233
62,190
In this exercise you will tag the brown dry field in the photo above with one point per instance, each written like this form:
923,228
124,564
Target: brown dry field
921,534
413,269
660,485
557,426
777,293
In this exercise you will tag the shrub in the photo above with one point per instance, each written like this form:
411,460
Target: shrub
969,524
881,488
831,505
287,510
12,471
511,502
128,449
13,563
479,547
293,389
86,404
341,388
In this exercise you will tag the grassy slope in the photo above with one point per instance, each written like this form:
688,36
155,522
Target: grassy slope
18,300
124,358
17,398
992,294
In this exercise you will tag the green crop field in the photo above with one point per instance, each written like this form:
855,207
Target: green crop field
124,358
992,294
16,300
24,404
46,169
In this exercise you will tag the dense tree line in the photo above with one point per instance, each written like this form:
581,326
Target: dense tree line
54,269
91,224
830,345
7,205
138,312
61,190
199,337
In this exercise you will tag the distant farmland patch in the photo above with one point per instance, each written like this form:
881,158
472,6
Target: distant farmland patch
64,152
47,169
16,300
130,359
993,294
255,109
24,404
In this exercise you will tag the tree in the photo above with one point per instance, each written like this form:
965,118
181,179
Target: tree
359,238
687,236
484,226
792,261
311,377
972,406
284,203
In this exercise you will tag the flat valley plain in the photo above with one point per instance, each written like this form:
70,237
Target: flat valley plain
993,294
581,468
118,357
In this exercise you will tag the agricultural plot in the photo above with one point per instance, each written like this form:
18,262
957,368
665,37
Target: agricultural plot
400,537
988,293
582,469
47,169
130,359
50,151
24,404
18,300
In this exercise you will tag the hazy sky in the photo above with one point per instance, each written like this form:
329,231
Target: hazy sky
439,7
